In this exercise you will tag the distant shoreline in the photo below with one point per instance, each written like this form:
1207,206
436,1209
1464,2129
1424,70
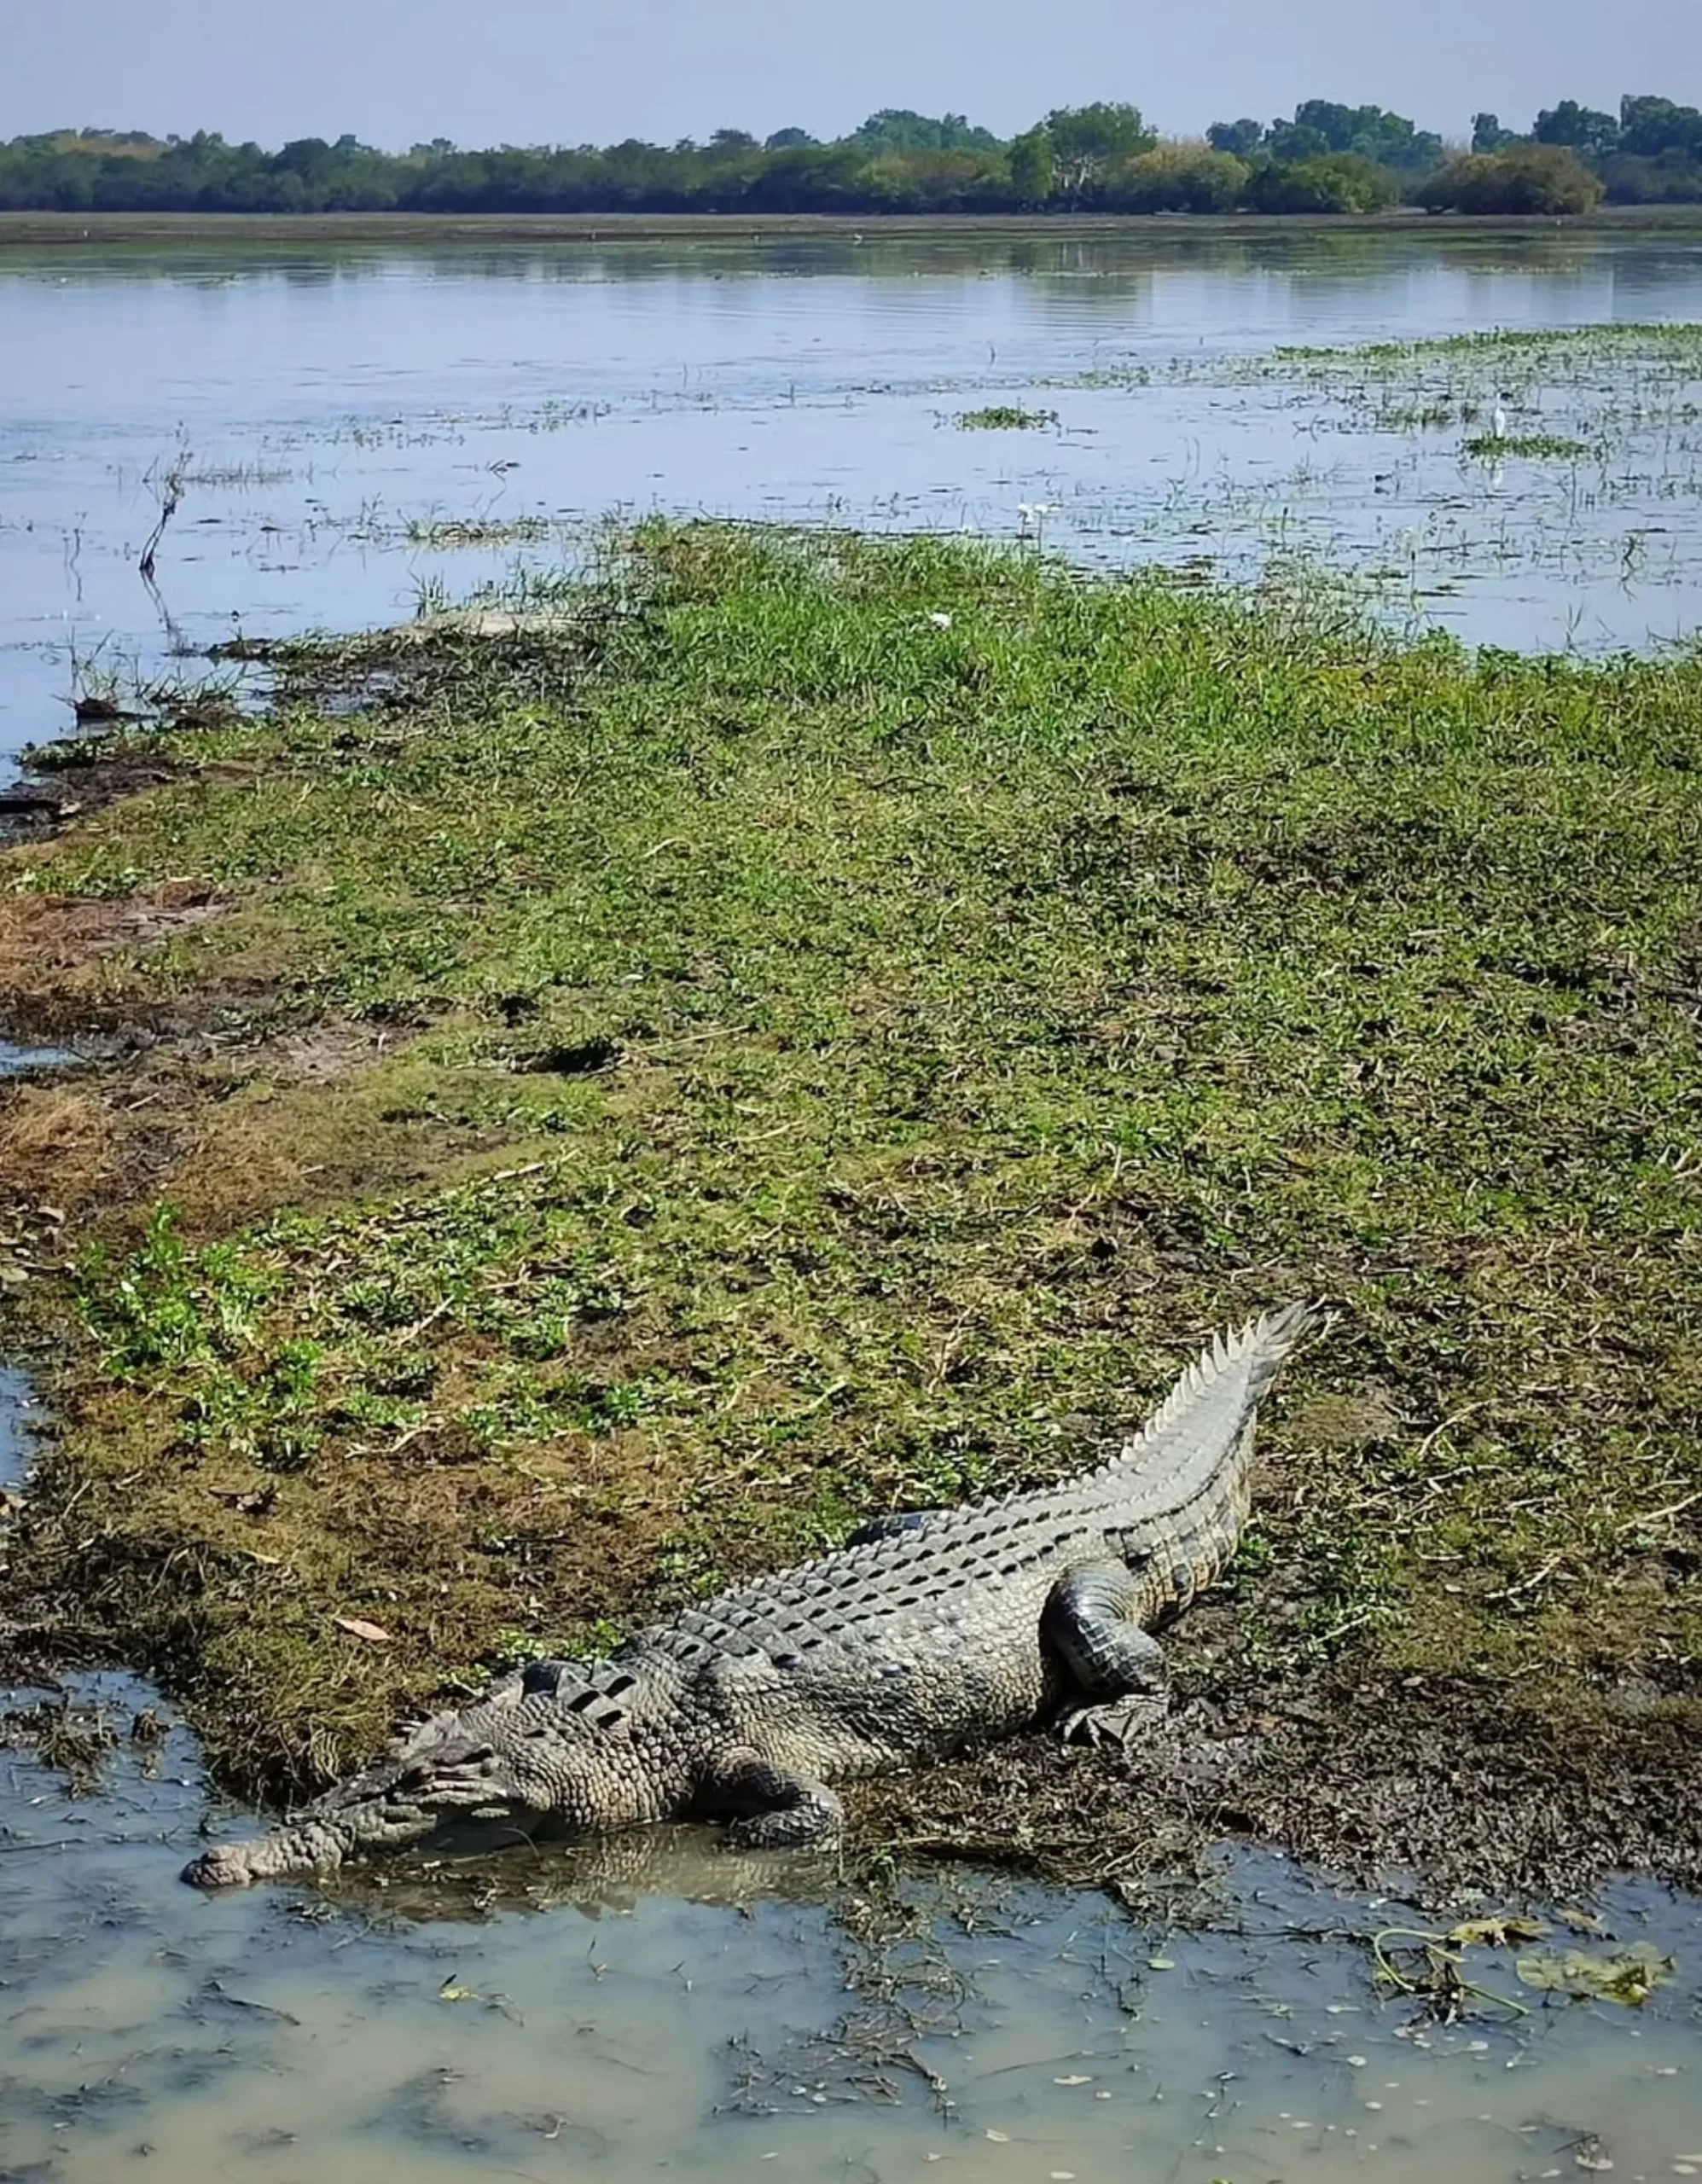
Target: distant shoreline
54,231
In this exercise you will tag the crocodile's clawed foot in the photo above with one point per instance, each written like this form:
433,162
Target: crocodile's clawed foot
392,1827
769,1808
1115,1724
448,1795
786,1830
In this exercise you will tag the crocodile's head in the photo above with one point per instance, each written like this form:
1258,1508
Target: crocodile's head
402,1801
505,1770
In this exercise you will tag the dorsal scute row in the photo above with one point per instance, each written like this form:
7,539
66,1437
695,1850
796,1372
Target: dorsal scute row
945,1540
979,1529
1199,1431
593,1691
1232,1372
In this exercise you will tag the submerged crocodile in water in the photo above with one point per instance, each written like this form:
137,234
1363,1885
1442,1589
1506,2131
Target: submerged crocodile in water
928,1634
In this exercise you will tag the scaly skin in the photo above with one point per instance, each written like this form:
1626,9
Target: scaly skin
928,1634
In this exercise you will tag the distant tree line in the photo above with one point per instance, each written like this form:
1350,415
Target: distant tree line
1652,154
1104,157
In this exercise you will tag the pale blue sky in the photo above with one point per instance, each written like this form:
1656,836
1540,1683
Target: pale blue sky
396,72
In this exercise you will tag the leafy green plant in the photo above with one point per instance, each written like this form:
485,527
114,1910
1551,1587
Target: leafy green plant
167,1305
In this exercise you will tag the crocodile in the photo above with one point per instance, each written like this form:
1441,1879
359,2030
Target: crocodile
927,1634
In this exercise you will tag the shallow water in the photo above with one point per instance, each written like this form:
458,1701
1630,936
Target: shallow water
15,1410
662,2007
22,1061
569,2017
331,401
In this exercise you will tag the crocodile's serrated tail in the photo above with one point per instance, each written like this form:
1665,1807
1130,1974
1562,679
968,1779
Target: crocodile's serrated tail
1203,1424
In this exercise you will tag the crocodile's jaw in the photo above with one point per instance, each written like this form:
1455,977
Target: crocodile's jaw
323,1839
399,1803
450,1775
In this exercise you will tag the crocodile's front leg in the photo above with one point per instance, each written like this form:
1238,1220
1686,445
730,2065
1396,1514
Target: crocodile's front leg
1118,1667
768,1808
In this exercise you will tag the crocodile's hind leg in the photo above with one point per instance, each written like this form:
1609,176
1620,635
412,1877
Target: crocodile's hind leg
768,1808
1117,1668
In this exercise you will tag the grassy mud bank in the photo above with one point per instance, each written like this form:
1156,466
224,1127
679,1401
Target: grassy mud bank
796,1026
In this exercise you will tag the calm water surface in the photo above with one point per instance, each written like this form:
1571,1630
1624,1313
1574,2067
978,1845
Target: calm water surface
337,407
658,2008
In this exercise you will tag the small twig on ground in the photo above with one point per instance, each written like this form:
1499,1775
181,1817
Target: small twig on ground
1657,1516
1529,1584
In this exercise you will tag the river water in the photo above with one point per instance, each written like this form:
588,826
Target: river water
345,418
357,429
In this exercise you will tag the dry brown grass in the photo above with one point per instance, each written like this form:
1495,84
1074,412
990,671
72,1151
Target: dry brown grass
228,1129
65,958
57,1143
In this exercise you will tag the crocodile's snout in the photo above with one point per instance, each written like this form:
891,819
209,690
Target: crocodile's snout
310,1848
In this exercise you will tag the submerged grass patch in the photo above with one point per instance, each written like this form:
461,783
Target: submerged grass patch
846,1059
444,535
1535,485
1678,338
1005,417
1496,447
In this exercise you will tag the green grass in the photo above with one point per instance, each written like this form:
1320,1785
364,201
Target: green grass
1496,447
840,1051
1006,417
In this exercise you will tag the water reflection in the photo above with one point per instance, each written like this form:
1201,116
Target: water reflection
885,249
